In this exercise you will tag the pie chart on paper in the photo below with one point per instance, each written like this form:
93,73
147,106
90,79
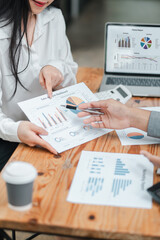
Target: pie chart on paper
135,135
75,102
146,43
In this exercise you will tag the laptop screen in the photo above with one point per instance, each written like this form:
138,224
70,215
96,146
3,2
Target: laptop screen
132,49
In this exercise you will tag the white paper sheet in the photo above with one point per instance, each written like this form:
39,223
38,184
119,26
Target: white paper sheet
112,179
134,136
65,129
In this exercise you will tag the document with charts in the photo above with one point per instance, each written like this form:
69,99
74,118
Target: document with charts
134,136
65,129
112,179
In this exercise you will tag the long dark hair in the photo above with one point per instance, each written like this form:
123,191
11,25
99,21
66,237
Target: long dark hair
15,12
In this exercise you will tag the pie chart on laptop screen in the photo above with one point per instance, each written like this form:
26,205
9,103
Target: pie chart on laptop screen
135,135
146,43
75,102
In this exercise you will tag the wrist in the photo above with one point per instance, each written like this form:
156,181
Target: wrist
139,118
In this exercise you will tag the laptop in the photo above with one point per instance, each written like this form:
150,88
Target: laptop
132,58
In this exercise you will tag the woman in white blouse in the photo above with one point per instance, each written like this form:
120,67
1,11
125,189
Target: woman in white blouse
35,58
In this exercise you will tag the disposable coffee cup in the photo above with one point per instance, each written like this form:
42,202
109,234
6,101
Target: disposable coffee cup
19,178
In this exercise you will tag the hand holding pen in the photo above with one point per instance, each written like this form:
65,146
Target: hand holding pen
94,111
115,114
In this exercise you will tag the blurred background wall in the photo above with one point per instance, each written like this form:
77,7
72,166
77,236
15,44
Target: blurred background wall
86,19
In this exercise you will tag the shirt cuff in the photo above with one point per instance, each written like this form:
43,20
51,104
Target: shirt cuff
11,131
154,125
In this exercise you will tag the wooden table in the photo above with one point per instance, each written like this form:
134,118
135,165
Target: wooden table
52,214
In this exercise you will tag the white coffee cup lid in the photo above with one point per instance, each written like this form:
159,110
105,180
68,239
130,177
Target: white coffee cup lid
19,173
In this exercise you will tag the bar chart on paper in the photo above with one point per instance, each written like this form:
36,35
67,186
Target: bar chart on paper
51,118
118,183
112,179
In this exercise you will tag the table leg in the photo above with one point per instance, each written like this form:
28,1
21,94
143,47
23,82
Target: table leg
4,235
33,236
13,235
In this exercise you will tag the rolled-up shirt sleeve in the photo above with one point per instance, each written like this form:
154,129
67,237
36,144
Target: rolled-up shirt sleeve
154,125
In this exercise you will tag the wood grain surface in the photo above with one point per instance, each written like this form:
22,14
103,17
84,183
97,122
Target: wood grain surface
51,213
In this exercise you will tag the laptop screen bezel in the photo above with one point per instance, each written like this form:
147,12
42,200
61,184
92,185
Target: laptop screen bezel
105,48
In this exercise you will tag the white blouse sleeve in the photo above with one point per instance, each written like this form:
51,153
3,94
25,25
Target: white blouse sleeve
8,127
65,64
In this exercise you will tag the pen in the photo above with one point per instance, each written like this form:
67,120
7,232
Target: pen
69,106
96,111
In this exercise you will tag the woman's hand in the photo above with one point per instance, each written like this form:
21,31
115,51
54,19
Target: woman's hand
49,78
29,133
152,158
115,114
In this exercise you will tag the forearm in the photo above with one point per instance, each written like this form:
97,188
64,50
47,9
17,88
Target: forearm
139,118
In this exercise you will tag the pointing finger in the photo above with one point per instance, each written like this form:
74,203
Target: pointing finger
49,86
42,80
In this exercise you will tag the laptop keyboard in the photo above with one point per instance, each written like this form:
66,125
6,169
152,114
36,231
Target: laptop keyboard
133,81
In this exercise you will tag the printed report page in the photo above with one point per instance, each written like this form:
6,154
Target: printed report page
65,129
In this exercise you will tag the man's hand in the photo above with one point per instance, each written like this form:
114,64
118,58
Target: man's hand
115,114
